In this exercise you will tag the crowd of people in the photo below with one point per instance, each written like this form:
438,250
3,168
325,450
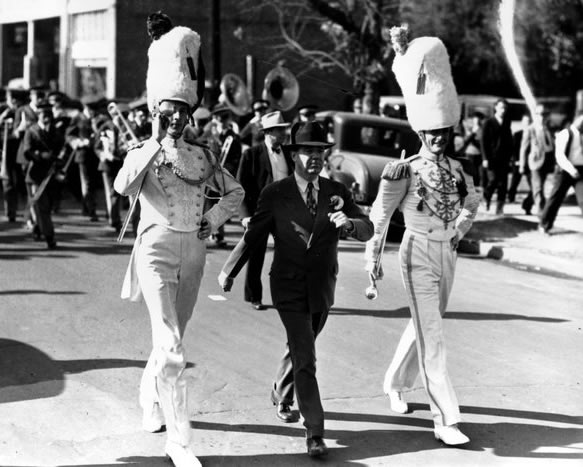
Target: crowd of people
536,153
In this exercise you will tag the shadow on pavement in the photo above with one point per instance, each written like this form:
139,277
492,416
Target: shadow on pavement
40,292
27,373
403,312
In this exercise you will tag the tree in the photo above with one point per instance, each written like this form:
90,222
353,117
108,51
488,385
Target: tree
346,35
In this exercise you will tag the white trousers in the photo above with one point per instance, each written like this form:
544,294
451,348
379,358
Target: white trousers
427,269
169,268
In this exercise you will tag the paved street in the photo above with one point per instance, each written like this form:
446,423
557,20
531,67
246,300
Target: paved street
71,355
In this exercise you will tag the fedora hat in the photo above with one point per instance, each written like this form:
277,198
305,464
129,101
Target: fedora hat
307,134
220,108
273,120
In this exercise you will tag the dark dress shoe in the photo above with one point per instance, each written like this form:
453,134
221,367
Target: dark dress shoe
258,305
285,414
316,447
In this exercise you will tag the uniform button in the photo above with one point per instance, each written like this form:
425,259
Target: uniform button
200,157
199,195
197,205
171,205
430,230
171,214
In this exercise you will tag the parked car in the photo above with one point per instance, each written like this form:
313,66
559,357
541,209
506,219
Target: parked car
364,144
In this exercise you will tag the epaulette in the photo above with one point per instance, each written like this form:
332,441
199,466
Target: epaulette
396,170
136,145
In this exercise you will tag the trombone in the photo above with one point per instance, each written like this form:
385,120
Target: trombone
128,138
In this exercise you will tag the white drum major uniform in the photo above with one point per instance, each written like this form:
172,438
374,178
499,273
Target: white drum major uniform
439,202
166,267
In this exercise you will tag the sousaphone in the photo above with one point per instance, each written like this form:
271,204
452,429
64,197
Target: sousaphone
234,93
281,88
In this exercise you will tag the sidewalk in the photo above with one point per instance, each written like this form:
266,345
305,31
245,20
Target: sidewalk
515,239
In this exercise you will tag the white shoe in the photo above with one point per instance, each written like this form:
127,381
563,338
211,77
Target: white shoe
397,403
450,435
153,419
181,456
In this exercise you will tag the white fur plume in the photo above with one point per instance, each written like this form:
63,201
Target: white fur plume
423,72
173,67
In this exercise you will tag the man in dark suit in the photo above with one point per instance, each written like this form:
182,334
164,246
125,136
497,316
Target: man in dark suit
497,147
42,147
305,214
261,165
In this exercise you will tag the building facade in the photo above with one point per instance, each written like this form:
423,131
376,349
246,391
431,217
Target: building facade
99,47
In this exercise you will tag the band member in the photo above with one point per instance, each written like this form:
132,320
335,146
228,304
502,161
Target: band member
170,175
439,202
42,146
82,136
261,165
305,214
111,153
14,121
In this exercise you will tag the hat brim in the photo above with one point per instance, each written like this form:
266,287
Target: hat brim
276,125
312,144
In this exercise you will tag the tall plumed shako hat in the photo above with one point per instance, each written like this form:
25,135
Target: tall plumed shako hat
423,72
175,67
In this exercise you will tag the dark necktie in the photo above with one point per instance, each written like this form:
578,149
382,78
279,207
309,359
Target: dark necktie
310,200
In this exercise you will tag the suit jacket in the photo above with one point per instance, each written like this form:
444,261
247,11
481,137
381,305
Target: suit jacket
497,144
532,148
37,142
254,174
305,262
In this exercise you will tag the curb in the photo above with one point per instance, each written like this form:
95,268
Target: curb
479,248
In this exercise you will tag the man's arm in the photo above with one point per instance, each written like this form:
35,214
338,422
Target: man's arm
469,208
359,225
232,194
260,225
392,190
135,167
561,143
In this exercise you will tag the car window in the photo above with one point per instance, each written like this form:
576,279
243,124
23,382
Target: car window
378,140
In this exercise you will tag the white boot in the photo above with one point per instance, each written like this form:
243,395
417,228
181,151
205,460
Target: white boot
398,405
181,456
450,435
153,418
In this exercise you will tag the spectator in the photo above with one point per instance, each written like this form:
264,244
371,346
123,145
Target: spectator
516,175
497,147
569,154
261,165
537,154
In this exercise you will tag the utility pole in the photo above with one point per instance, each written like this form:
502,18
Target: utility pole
215,47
